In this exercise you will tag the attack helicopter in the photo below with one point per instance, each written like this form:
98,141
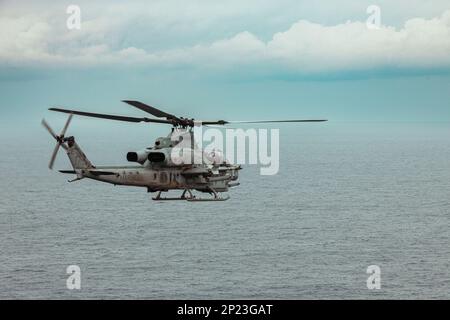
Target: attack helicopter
159,168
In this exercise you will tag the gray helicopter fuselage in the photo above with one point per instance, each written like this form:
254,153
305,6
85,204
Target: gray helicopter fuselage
167,178
155,176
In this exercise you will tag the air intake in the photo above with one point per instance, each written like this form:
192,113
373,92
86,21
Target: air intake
156,157
132,156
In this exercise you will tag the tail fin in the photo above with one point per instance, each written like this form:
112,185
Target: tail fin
77,156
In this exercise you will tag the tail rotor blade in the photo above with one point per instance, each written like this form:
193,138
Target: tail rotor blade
63,132
46,126
52,159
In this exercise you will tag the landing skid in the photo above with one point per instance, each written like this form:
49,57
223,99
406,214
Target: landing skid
209,199
188,196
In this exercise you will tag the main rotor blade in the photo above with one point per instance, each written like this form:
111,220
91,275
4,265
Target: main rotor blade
46,126
275,121
110,117
224,122
218,122
52,159
149,109
63,132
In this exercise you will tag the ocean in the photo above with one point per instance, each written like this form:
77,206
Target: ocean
347,196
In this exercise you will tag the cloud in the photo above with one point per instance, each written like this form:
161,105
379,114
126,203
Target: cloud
352,46
305,47
308,47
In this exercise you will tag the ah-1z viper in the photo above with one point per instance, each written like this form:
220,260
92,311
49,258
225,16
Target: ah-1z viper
158,170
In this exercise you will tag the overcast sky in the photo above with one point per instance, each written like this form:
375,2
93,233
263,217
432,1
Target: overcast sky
230,59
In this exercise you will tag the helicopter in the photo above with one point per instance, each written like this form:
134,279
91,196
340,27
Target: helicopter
159,167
